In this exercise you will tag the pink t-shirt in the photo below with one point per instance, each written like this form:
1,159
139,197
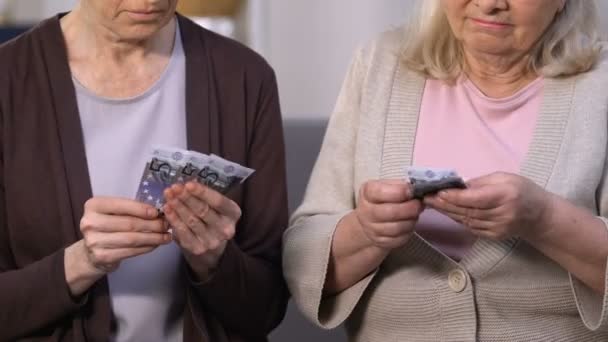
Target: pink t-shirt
461,128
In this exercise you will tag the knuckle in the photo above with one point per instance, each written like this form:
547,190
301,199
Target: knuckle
396,229
86,224
388,212
392,230
159,239
192,220
362,193
376,230
94,255
180,227
183,198
380,239
372,214
362,211
214,244
178,233
131,242
159,226
229,232
385,241
367,189
199,250
89,204
106,258
201,190
131,226
369,219
366,227
362,205
100,256
385,213
90,244
202,212
512,190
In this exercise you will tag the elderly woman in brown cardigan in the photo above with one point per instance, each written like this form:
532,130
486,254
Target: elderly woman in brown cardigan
512,95
83,97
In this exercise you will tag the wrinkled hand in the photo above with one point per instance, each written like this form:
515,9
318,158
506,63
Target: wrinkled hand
115,229
498,206
203,222
387,212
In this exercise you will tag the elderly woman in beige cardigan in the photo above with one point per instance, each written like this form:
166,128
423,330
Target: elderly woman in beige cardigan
520,254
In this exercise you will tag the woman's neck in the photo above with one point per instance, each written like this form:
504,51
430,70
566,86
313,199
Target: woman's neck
109,65
498,76
88,39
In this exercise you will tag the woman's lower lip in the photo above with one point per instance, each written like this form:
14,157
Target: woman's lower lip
492,25
144,16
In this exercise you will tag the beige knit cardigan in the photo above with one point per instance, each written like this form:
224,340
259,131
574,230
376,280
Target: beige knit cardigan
509,291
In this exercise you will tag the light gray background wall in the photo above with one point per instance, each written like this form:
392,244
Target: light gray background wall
311,43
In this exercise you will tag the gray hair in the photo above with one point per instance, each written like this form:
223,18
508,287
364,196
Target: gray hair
570,45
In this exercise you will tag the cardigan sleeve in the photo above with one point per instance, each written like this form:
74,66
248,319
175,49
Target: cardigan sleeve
593,307
247,293
330,195
33,296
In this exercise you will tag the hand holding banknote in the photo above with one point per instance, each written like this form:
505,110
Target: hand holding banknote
497,206
113,229
387,212
188,188
203,221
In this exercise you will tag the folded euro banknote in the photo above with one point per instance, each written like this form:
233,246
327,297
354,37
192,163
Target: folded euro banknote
168,166
427,181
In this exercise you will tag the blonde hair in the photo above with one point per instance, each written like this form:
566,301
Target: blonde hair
569,46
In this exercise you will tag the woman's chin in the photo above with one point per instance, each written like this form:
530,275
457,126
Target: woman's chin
498,48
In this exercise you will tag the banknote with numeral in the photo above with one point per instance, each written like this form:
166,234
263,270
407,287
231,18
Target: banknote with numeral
159,173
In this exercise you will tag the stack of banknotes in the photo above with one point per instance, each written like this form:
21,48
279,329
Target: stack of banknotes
168,166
